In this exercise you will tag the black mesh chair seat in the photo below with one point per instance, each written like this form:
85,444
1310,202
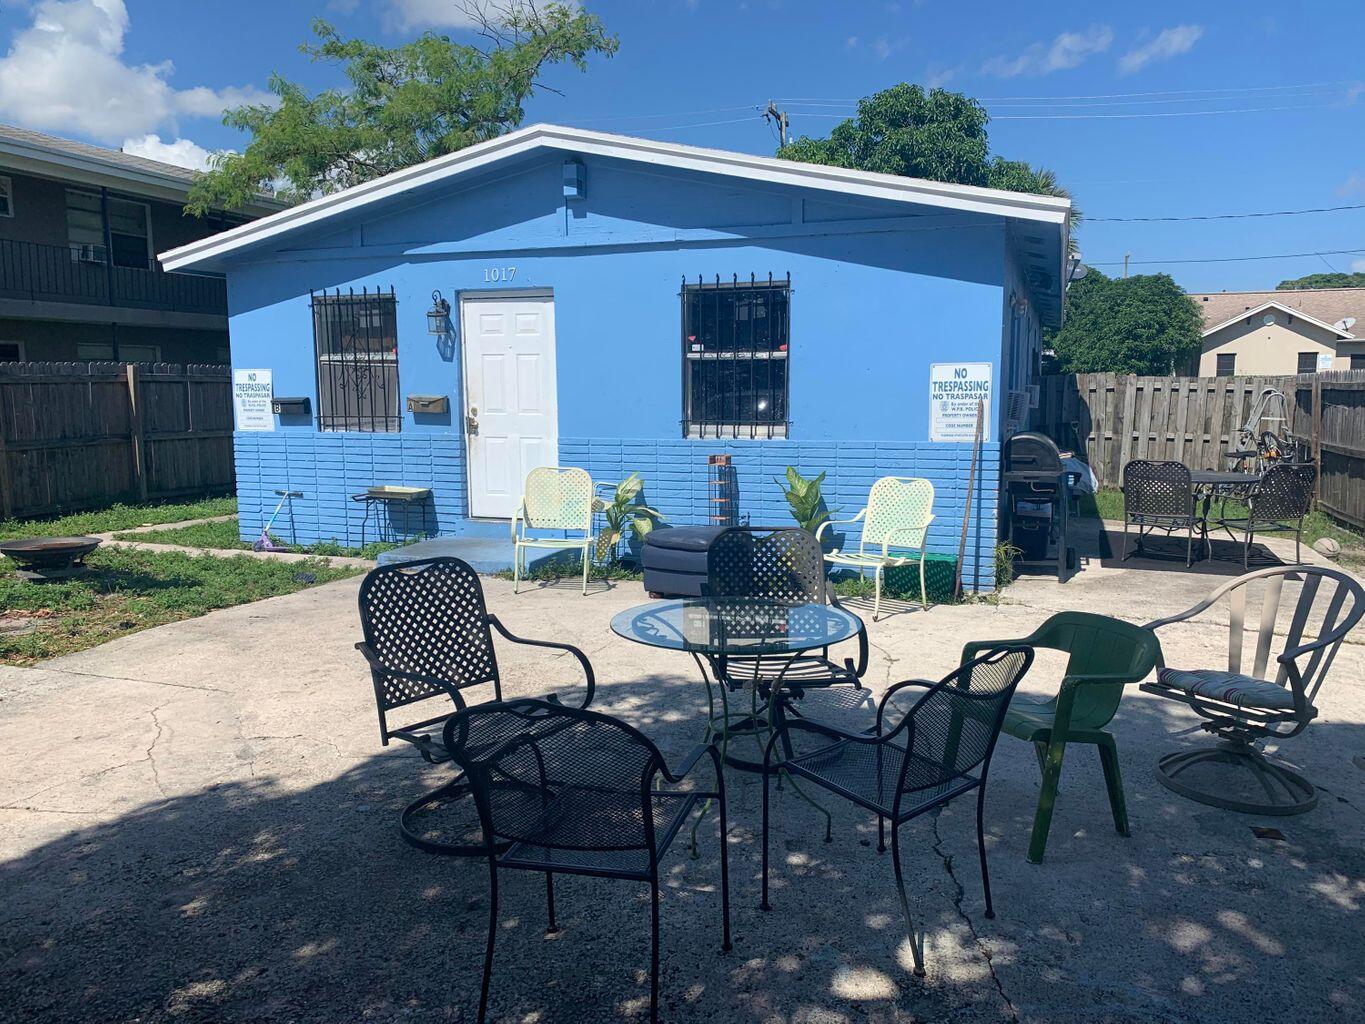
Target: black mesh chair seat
565,790
1277,503
870,774
1159,496
606,812
429,642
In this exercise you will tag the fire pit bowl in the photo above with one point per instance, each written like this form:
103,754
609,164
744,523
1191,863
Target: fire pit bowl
47,558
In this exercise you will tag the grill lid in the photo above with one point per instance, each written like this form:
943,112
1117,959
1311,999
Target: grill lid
1032,452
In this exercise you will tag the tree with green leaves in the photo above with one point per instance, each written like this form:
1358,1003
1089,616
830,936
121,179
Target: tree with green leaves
1144,324
403,105
934,134
1337,280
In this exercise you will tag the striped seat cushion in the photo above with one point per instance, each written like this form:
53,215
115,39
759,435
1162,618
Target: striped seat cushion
1228,687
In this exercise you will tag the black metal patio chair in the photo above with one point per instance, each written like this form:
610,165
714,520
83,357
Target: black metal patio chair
429,641
787,565
1159,496
939,749
563,790
1276,504
1244,710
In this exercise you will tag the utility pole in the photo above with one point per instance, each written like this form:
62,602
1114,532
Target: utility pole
1126,257
771,115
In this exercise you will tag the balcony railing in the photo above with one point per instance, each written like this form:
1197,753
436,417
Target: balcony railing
64,273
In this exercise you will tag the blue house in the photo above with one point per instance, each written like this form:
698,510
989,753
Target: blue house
623,304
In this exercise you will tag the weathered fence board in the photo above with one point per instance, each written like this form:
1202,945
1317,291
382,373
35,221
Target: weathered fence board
75,435
1195,420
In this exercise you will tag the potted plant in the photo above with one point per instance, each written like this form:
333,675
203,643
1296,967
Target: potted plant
805,500
626,516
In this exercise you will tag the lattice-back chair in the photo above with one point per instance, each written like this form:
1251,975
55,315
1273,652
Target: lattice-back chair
557,500
938,749
562,790
1158,496
898,513
1277,504
1273,700
429,642
785,565
1104,655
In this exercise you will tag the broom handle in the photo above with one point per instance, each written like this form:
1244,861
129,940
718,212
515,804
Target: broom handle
971,488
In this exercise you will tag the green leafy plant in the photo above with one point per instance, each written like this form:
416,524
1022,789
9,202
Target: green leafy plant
804,498
625,512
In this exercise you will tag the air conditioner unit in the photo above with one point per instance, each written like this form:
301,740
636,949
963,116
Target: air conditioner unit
1016,409
82,253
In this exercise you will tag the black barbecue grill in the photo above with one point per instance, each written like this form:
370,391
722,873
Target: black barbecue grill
1037,498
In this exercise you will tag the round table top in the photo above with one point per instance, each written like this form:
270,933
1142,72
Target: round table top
735,627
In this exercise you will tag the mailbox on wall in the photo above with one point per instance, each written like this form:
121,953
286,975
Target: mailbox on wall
290,406
430,404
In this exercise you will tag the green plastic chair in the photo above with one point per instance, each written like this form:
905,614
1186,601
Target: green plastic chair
1106,655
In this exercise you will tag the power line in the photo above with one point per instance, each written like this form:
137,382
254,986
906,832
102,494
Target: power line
674,113
1126,95
1166,113
1221,216
699,124
1230,259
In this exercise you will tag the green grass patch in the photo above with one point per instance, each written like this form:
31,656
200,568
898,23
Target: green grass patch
552,570
128,590
117,517
223,536
1107,503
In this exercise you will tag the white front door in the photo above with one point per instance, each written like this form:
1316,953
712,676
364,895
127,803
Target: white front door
511,410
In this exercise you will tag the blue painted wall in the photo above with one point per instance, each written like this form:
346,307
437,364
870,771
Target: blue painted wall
877,297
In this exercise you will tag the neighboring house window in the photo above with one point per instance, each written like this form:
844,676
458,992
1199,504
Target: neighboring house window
1227,364
6,197
11,351
130,237
103,351
355,338
1308,362
735,355
1358,361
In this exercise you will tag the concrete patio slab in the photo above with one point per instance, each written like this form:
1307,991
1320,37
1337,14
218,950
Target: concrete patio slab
197,822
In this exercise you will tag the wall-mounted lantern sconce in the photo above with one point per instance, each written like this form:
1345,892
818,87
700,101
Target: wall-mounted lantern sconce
438,316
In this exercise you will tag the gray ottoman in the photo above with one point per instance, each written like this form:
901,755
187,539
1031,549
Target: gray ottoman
675,559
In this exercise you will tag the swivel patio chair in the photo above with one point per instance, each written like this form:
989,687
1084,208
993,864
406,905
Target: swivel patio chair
939,749
1158,496
557,506
785,565
429,641
1245,710
1105,655
1277,504
561,790
898,513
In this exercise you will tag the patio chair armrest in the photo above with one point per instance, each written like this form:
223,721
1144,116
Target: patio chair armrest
975,648
928,684
582,658
377,665
517,518
690,761
1099,678
889,537
839,522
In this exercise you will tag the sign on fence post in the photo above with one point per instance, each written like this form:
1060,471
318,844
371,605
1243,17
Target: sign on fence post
954,391
251,393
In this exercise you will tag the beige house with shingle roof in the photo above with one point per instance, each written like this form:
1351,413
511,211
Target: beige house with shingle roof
1282,332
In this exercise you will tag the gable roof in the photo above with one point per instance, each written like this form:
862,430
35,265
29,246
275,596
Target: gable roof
1049,210
1327,306
1274,304
25,151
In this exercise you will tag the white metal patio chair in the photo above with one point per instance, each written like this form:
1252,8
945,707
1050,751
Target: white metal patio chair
556,499
898,513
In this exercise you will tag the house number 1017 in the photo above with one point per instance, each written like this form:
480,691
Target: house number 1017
499,274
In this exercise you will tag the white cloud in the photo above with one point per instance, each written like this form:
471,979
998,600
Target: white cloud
65,72
937,76
410,15
181,152
1358,266
1066,51
1353,185
1169,42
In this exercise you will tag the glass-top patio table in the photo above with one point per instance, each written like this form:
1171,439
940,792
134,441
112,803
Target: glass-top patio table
759,638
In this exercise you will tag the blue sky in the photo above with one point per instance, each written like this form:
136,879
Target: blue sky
1244,107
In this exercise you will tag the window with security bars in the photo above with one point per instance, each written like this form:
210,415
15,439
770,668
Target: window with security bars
736,338
355,336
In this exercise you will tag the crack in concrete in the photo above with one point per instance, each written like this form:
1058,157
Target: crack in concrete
1338,797
151,761
958,900
133,679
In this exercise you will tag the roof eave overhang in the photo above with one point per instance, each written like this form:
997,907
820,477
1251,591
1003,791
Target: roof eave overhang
1290,310
205,253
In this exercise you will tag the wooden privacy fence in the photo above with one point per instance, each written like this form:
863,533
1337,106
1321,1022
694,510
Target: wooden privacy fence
76,435
1115,418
